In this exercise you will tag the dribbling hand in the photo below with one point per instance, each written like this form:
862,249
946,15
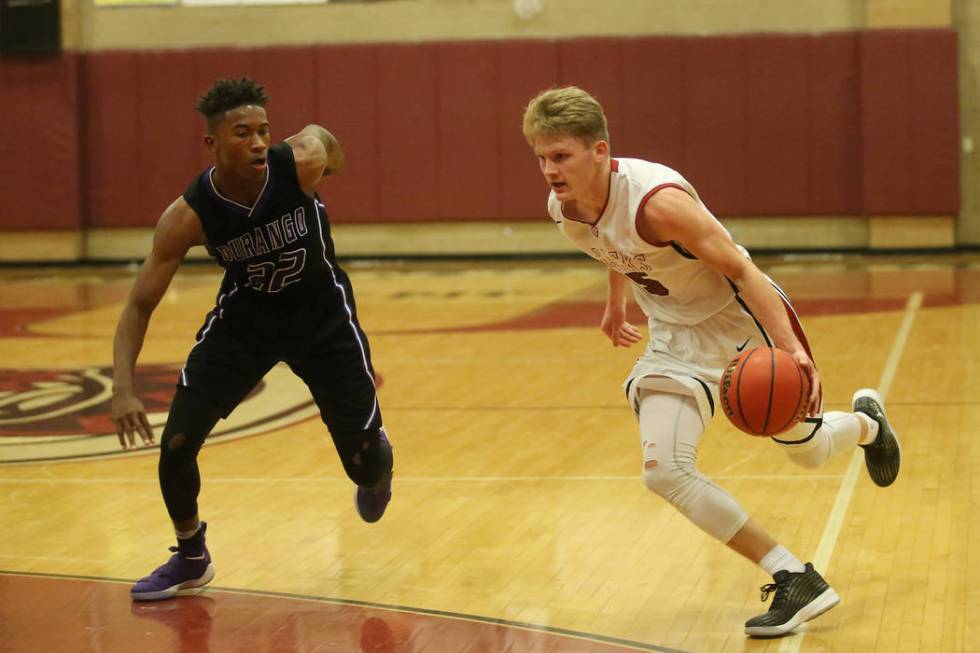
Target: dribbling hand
129,416
806,364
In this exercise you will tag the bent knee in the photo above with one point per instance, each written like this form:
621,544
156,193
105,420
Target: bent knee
176,449
665,479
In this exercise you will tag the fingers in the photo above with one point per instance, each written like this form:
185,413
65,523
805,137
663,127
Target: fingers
622,334
815,390
146,431
627,335
124,431
129,425
120,432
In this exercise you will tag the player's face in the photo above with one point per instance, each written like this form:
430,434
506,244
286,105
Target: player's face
570,167
240,143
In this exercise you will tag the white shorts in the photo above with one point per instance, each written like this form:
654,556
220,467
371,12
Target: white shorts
691,358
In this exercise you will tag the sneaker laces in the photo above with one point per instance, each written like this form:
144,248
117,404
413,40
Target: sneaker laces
778,600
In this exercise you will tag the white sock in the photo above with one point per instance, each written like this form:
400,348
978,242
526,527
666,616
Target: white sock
186,535
872,433
780,558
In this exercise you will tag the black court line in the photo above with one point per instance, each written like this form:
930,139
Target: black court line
641,646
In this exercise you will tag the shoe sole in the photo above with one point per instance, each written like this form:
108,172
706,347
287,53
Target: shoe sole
357,509
898,445
811,610
890,432
183,589
357,506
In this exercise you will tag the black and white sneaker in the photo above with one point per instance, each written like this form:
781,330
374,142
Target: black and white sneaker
883,456
799,597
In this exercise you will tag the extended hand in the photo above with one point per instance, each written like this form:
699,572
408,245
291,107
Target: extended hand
130,418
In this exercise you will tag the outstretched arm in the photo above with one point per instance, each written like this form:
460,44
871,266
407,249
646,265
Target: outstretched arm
317,155
673,215
178,230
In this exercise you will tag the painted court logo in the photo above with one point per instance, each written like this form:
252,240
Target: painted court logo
48,415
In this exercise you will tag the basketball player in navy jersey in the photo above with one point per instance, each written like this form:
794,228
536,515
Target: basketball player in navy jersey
705,302
283,298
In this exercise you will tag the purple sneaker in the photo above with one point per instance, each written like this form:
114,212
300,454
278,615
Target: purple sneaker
371,502
189,567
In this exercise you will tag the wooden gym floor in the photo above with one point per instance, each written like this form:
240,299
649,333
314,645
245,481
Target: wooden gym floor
519,520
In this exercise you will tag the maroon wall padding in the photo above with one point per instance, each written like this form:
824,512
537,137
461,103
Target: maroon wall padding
111,140
910,161
778,174
594,65
468,140
886,122
217,63
523,192
715,133
834,146
169,136
39,169
347,104
935,136
822,124
289,78
408,132
654,105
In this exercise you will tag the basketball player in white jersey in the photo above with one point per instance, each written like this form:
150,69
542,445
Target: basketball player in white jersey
705,302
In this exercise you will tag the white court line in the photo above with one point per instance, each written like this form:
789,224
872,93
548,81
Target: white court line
419,479
831,531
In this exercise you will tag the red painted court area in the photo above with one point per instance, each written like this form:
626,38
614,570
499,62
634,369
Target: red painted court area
49,613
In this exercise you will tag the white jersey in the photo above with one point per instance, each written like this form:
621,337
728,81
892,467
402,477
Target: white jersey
669,283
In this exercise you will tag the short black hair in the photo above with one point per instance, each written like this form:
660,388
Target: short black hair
227,94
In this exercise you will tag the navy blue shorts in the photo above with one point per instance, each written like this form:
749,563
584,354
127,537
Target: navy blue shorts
320,339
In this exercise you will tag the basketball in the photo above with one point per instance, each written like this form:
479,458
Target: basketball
764,391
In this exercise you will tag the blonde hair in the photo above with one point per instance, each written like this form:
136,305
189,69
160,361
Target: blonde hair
567,111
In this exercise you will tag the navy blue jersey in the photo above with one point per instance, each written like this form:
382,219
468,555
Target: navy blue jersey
279,247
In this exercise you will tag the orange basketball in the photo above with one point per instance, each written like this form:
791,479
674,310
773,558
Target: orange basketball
764,391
